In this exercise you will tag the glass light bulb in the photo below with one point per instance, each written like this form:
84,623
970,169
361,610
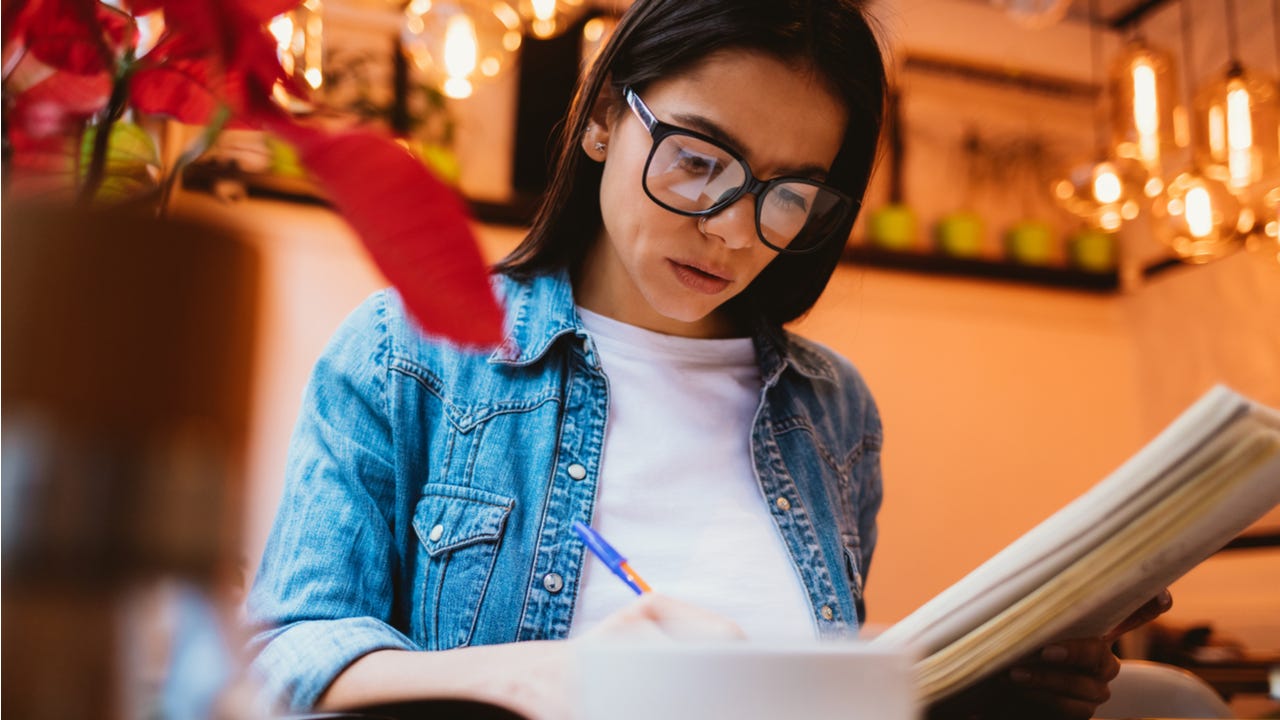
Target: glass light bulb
456,43
1197,217
1106,185
1103,193
460,47
1143,88
548,18
1238,133
1239,136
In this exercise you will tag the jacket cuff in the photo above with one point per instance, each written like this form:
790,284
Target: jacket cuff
298,662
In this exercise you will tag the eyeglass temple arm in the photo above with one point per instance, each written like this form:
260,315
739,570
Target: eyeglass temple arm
638,107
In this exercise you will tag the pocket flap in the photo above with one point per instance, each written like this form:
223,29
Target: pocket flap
449,517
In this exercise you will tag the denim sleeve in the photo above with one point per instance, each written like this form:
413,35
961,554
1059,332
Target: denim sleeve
872,491
323,594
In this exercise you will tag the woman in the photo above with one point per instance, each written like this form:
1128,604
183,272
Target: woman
714,160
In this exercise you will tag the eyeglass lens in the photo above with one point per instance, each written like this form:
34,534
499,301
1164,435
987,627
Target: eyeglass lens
690,175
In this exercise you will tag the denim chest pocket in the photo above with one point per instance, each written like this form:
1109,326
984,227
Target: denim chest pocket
460,530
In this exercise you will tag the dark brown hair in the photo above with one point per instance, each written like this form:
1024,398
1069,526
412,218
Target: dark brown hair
659,38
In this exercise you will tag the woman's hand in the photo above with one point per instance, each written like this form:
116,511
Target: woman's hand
530,678
1066,680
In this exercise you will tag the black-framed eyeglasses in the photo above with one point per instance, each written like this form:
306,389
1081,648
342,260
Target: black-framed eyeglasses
692,174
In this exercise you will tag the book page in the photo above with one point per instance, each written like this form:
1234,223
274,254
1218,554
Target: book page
1205,478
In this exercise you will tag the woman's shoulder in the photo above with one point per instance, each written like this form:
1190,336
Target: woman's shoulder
823,362
382,318
820,364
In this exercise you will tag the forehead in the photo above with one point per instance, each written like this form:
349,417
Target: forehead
780,114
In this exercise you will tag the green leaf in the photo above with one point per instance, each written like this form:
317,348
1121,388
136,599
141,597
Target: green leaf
133,161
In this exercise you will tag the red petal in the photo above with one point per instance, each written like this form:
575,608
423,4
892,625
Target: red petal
17,18
79,36
413,225
264,10
235,62
178,88
80,95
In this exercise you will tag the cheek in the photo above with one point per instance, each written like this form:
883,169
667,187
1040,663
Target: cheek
627,211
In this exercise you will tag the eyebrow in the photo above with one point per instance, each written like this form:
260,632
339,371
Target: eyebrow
709,127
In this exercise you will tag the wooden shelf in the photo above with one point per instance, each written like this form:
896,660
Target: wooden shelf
1003,271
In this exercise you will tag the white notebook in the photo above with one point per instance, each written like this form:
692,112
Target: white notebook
1210,474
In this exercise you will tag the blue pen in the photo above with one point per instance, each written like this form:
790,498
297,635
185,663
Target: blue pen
611,558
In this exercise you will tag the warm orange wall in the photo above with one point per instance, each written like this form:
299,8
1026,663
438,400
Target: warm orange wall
1000,402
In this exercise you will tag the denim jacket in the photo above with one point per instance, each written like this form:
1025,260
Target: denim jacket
431,491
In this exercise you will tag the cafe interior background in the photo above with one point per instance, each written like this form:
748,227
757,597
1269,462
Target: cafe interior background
1064,245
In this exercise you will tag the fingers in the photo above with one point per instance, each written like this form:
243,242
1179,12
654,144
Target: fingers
1068,679
1154,608
1086,656
1058,683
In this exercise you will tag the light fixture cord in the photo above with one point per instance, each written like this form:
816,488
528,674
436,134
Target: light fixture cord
1233,45
1095,63
1275,27
1188,74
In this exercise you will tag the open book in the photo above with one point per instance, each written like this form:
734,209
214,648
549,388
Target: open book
1209,475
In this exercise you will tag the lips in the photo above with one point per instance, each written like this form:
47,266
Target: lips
700,278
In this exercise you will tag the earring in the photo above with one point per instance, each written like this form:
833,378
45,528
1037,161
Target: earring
702,225
600,147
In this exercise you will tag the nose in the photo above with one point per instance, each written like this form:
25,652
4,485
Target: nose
736,224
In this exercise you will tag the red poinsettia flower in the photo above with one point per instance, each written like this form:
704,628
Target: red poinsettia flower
83,37
212,52
218,54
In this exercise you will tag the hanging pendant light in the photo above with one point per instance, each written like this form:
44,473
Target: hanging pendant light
1239,126
1265,239
548,18
1103,192
1198,216
1239,131
1238,139
456,43
1143,94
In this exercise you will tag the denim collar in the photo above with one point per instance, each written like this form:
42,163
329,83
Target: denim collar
540,310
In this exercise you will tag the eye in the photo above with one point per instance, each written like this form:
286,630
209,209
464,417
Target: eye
789,199
696,163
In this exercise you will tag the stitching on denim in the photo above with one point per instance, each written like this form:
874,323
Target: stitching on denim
467,419
842,467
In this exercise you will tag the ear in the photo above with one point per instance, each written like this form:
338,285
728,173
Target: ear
595,140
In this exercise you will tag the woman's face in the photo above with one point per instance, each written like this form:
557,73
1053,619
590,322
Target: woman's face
654,268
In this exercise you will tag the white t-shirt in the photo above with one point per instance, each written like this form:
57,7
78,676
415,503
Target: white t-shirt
678,495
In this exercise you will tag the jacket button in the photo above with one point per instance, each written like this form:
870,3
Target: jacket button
827,612
552,582
436,533
783,504
577,471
